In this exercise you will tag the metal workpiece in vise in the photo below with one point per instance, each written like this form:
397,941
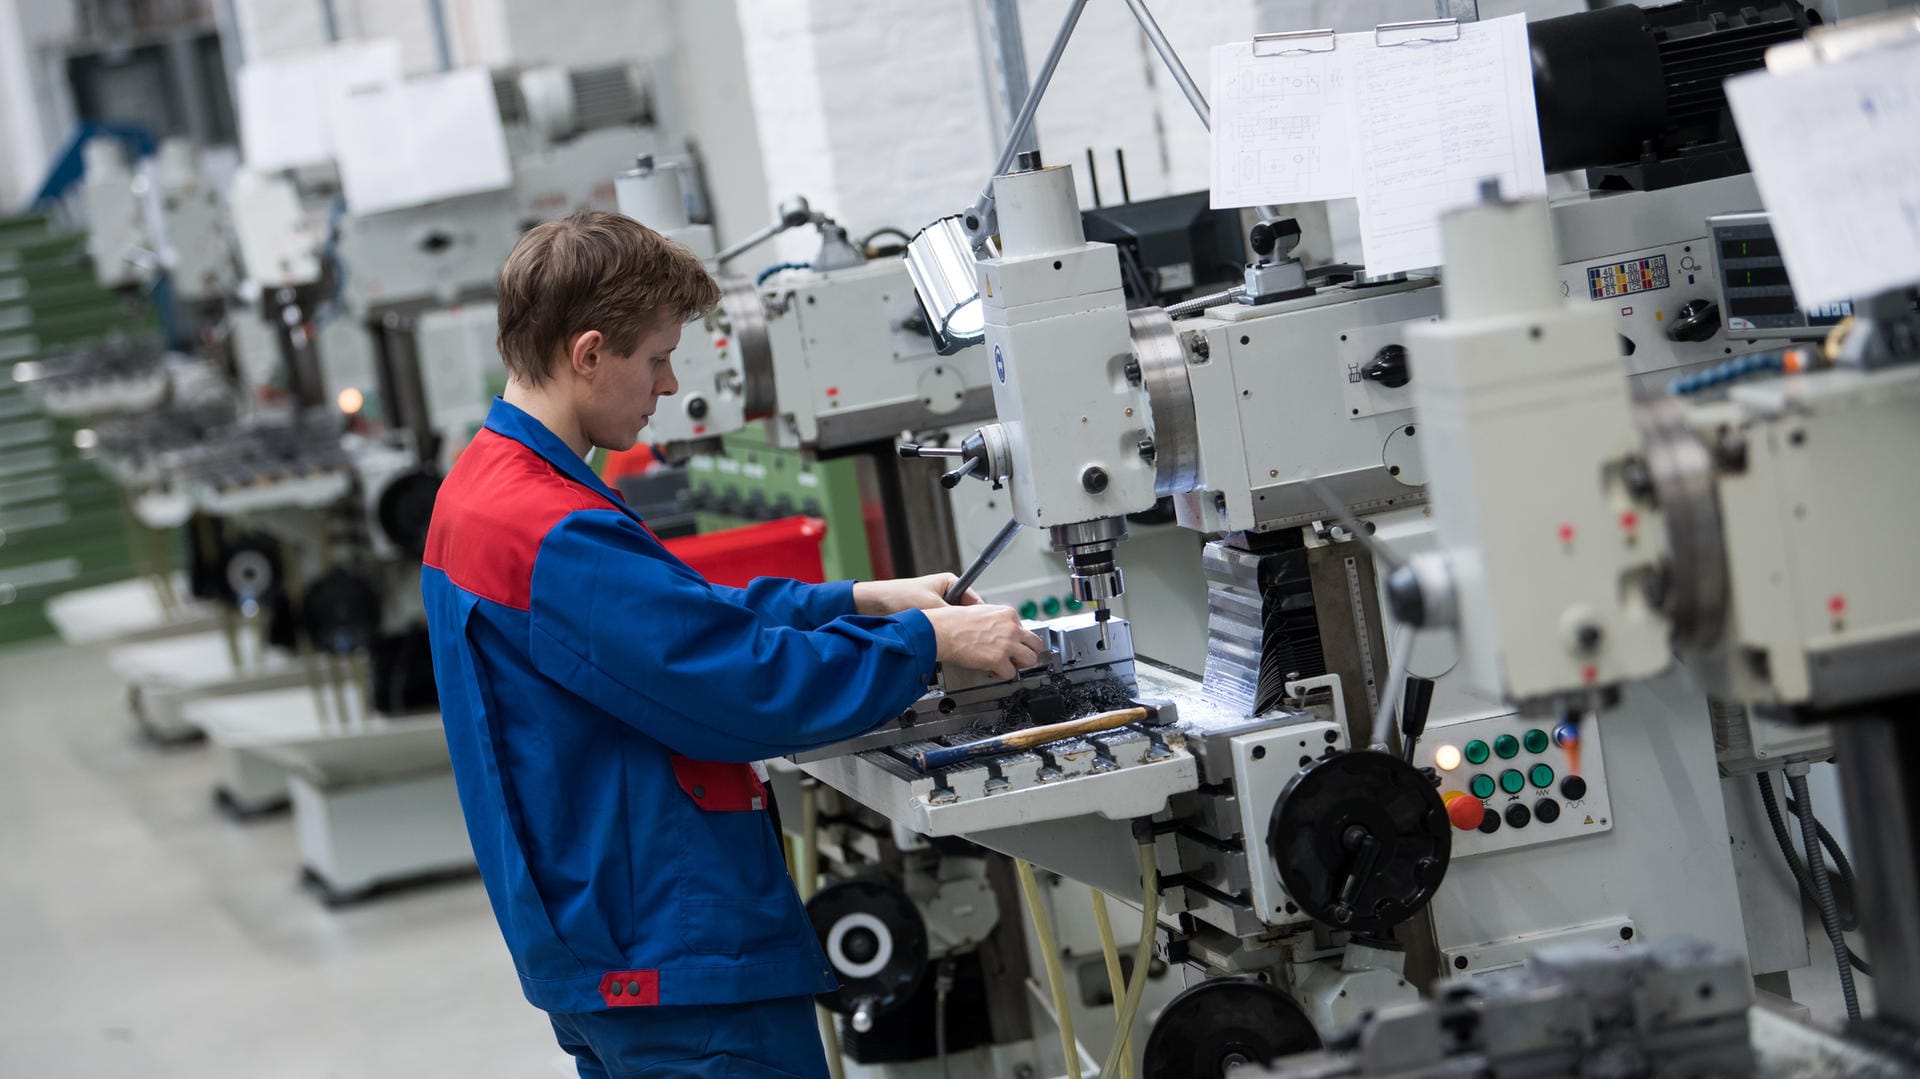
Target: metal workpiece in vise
1074,676
1274,274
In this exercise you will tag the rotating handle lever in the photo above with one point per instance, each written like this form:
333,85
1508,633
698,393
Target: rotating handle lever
1363,858
1413,715
950,480
914,449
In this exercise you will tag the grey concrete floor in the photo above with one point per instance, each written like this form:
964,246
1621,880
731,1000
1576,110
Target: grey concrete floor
144,934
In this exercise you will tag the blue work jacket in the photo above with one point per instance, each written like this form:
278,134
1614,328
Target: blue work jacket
602,703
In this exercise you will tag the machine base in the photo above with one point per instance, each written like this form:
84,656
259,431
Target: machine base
360,841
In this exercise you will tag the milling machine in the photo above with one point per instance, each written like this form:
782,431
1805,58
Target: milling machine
1279,419
1718,529
836,356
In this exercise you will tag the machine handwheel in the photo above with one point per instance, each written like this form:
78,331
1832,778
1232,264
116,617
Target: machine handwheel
405,509
341,612
1361,840
1218,1025
875,941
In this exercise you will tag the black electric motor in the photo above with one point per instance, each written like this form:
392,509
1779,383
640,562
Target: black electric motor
1635,95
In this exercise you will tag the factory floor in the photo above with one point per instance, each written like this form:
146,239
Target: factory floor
143,933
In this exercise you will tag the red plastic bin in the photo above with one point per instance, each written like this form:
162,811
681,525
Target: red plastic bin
789,547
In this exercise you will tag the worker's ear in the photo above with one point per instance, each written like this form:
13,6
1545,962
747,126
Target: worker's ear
583,352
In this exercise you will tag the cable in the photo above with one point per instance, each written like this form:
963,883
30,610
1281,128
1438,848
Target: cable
866,242
1823,892
1050,955
1142,957
1116,980
1788,360
1847,888
761,277
942,986
1201,303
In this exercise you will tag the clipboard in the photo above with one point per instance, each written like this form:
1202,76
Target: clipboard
1385,35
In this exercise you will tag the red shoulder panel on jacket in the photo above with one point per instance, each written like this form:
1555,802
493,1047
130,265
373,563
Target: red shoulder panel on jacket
494,509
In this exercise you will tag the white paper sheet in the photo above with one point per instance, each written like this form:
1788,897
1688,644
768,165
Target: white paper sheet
1410,123
1835,150
1283,128
1433,121
286,105
418,141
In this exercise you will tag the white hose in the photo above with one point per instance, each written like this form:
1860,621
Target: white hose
1050,955
1116,981
1142,958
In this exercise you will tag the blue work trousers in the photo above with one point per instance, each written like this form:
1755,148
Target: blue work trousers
767,1039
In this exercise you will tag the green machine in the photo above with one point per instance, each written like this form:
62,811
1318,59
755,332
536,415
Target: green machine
751,481
62,521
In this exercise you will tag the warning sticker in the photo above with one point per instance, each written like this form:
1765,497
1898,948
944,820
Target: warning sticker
1627,278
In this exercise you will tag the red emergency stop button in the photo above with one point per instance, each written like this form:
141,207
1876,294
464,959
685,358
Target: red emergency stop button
1464,810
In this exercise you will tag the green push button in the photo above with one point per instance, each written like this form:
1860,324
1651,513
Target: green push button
1512,781
1537,741
1482,786
1507,746
1540,775
1051,605
1074,604
1477,753
1029,610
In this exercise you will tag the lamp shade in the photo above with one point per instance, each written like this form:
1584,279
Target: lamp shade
940,262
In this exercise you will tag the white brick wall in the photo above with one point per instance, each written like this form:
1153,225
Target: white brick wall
873,109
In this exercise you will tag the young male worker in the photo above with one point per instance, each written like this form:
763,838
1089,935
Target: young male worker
603,702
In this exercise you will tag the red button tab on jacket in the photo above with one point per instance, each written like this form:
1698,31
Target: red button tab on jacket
630,988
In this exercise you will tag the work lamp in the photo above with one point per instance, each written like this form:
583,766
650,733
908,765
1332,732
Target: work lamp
940,261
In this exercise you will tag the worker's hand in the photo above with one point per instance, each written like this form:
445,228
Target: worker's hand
985,637
907,594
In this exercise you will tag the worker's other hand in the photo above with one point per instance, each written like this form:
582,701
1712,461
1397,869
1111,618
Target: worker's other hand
985,637
907,594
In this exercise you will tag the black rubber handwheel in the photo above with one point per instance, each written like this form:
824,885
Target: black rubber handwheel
405,509
340,613
876,943
1217,1025
1332,806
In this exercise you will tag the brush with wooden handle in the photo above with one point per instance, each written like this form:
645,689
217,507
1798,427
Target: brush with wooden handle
942,756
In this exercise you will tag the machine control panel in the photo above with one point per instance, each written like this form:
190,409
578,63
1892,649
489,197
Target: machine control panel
1664,300
1509,781
1754,290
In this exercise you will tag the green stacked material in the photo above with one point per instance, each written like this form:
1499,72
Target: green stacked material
62,525
751,482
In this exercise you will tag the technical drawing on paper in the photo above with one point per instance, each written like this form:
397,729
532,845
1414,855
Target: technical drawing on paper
1293,159
1279,134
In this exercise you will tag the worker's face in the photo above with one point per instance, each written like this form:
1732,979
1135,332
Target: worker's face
623,391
